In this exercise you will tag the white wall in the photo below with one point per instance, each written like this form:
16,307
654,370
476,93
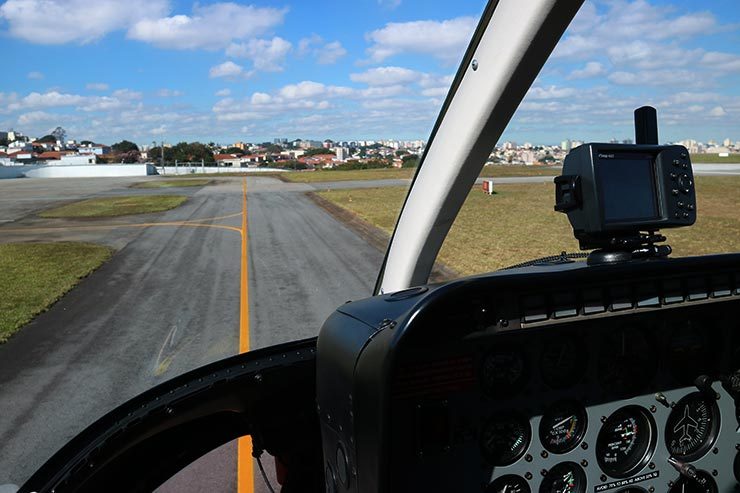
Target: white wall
74,171
186,170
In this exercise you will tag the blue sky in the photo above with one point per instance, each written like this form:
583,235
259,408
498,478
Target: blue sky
367,69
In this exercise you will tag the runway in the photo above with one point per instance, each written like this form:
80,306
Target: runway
169,301
166,303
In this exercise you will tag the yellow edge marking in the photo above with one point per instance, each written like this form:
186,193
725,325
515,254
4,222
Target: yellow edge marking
244,461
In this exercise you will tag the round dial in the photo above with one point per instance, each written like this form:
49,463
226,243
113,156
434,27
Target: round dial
503,372
626,441
626,361
692,426
563,362
563,426
511,483
566,477
505,438
702,483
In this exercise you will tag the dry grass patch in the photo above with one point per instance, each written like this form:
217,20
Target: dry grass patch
518,223
35,275
171,183
116,206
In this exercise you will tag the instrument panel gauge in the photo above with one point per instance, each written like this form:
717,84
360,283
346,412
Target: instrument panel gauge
503,372
626,441
511,483
566,477
703,482
505,438
563,362
692,426
563,426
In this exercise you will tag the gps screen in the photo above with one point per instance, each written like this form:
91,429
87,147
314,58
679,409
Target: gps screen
627,186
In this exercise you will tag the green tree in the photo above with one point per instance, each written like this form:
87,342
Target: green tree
4,142
233,150
273,149
124,146
316,151
47,138
87,142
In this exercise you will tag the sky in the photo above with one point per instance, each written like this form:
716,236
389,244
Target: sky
171,70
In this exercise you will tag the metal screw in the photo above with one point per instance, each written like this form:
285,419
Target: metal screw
716,451
653,409
603,419
651,489
652,465
603,478
544,454
543,472
714,472
584,446
528,458
584,463
528,476
474,64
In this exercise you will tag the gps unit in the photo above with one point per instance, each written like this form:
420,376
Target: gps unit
614,192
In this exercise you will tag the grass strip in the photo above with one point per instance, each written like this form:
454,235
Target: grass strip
35,275
518,223
171,183
116,206
407,173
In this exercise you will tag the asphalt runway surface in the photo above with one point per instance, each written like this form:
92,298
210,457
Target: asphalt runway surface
168,302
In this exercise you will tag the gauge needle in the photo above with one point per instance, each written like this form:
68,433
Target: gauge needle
561,423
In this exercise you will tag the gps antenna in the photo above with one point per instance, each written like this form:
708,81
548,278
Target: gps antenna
646,126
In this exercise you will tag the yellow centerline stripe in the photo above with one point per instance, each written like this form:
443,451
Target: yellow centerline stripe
244,461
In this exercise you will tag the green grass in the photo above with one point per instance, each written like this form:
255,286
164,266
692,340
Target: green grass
171,183
116,206
715,159
518,223
35,275
405,173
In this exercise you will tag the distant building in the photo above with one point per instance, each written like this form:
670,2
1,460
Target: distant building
342,153
97,149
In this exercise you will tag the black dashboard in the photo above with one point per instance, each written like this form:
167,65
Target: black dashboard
559,379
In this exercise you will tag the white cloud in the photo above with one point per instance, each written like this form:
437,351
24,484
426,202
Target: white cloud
330,53
386,76
227,69
717,111
267,55
209,27
169,93
223,93
389,4
60,21
444,40
304,89
324,53
34,75
590,70
97,86
678,78
725,62
127,94
36,117
633,30
551,92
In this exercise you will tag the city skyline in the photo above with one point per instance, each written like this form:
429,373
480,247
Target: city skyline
217,71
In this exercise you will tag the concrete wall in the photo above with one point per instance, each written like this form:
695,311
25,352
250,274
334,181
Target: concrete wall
187,170
73,171
16,171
